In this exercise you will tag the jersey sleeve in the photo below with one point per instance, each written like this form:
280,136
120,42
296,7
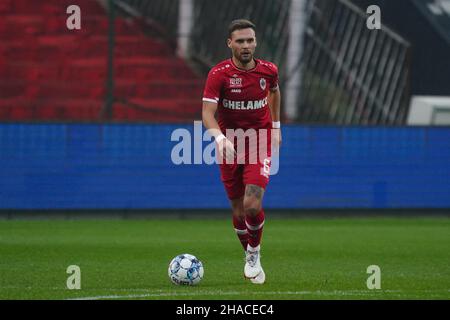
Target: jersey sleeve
274,80
213,87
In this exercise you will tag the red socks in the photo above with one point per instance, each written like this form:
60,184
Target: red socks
249,231
241,231
255,228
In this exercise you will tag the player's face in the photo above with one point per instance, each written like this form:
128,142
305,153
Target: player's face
243,45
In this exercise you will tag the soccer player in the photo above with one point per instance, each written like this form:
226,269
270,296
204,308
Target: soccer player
244,93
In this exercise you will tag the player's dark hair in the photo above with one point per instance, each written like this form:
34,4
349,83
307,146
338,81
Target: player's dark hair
239,25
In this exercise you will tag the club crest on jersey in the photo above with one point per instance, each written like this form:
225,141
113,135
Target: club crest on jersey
262,83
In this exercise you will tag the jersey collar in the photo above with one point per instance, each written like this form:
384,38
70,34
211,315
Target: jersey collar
243,70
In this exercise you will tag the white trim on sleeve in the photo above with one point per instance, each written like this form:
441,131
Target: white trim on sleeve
210,100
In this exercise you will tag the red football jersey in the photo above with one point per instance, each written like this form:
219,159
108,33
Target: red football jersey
242,94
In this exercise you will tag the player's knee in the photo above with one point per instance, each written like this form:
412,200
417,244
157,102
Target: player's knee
252,211
240,214
238,208
252,206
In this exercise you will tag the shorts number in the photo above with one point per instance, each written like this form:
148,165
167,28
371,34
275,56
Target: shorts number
266,168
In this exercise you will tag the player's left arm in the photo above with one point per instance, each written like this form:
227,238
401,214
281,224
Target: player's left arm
274,100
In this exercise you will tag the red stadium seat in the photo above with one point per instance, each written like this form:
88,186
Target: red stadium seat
50,73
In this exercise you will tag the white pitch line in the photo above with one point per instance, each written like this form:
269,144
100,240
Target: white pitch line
145,293
225,293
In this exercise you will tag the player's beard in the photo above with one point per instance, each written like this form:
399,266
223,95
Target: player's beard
248,58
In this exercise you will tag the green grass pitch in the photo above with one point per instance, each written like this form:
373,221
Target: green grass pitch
303,258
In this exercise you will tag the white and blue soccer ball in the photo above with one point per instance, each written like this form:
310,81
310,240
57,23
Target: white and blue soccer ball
186,269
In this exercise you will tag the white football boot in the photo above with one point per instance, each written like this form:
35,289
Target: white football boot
252,267
260,278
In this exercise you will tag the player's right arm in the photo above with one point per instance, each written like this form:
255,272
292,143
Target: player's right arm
211,97
209,120
226,147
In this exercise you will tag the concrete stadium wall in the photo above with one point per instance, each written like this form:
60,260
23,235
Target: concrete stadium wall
123,166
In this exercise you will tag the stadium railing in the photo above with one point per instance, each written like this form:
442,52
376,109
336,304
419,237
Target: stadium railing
157,20
351,74
161,14
207,39
211,18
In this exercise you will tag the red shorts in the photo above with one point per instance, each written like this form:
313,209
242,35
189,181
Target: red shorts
236,176
253,169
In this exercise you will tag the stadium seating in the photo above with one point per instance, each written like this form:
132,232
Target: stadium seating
50,73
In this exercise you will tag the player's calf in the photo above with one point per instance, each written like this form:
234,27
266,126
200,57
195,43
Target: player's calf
239,221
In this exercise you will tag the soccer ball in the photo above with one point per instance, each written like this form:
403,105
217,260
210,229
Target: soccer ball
185,269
